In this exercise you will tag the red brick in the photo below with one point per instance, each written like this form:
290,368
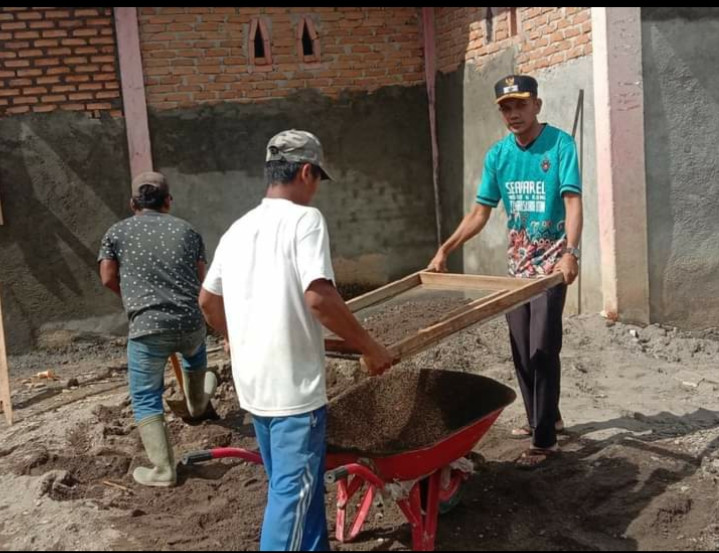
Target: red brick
99,106
86,50
81,96
70,23
90,86
43,62
59,51
73,107
44,108
8,54
103,59
84,32
58,70
17,45
103,21
23,35
107,94
87,68
102,40
54,98
103,77
29,72
42,25
28,15
58,14
87,13
13,25
34,90
77,78
17,63
48,80
73,60
56,33
45,42
6,16
74,42
64,88
18,109
20,82
22,100
9,91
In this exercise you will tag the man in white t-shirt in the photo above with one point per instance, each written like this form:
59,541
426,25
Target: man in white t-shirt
269,291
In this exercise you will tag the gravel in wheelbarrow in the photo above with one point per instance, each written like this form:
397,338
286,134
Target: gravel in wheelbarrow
408,409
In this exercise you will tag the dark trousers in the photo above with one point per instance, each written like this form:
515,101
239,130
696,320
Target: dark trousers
535,330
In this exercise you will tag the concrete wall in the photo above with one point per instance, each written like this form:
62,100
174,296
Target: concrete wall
63,182
681,98
468,124
380,209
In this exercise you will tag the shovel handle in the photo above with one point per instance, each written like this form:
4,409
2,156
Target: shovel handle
178,370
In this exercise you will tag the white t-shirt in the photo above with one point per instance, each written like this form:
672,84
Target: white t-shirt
262,267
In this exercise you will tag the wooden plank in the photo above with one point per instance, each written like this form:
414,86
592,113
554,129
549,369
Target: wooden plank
483,312
472,304
133,90
4,375
385,292
476,282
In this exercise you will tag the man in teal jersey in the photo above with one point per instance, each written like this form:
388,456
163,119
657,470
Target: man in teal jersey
535,174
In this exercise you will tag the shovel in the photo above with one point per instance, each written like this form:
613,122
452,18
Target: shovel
179,406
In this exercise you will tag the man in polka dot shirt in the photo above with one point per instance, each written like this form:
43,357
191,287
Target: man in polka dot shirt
156,262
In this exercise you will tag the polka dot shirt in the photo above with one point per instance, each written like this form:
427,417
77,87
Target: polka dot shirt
157,256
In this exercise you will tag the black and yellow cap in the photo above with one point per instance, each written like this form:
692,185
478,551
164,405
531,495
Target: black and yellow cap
515,86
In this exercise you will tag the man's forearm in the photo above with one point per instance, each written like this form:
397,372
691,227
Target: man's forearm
471,225
332,312
574,220
213,309
113,285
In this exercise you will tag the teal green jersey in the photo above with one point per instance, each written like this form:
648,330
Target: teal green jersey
531,183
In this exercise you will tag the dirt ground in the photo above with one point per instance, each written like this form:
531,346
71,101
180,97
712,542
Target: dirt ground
639,469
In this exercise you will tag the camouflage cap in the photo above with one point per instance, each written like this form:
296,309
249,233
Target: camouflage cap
151,178
297,146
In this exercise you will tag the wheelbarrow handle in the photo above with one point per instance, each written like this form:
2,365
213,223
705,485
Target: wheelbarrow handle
196,457
354,469
222,453
333,476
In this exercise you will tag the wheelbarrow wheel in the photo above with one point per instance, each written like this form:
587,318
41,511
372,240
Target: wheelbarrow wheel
444,506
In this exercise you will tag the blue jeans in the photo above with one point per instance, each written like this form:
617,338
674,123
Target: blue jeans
146,360
293,452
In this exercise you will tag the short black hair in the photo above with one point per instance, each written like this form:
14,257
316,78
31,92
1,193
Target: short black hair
284,172
150,197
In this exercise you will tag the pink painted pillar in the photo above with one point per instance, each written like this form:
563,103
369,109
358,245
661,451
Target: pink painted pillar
430,73
621,177
133,90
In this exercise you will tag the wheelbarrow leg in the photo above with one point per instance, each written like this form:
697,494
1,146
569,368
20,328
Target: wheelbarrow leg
424,525
345,491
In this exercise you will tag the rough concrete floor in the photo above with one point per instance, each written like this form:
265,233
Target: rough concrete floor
639,469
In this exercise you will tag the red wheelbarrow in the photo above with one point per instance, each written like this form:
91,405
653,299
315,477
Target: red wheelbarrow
424,479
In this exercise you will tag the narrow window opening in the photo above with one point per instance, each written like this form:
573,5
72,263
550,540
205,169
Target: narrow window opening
259,43
513,27
308,47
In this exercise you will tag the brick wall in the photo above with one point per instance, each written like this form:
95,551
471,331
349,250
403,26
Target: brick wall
57,58
200,55
544,37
